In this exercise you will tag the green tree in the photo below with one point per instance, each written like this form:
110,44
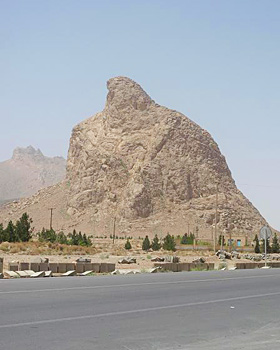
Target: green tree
74,238
146,245
169,243
275,244
61,238
86,241
47,235
23,228
127,245
268,247
257,244
10,233
155,244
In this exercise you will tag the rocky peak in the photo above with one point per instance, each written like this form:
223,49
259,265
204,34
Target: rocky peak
28,171
20,153
140,161
126,94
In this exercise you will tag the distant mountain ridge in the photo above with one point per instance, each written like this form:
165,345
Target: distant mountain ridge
28,171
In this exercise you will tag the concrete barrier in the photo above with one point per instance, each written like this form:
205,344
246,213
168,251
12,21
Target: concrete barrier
44,267
178,267
48,274
11,274
95,267
249,265
22,274
70,266
69,273
29,272
103,268
62,267
274,264
111,267
35,266
240,266
13,267
86,273
184,267
23,266
80,267
38,274
53,267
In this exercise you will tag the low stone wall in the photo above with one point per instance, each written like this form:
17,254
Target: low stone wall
79,267
178,267
255,265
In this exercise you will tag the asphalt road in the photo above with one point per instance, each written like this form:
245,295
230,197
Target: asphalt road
192,310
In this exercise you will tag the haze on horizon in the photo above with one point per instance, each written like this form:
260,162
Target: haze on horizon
216,62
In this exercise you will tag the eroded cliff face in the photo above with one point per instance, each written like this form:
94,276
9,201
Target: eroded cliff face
151,167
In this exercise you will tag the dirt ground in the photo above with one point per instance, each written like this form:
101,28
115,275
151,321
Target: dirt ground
103,250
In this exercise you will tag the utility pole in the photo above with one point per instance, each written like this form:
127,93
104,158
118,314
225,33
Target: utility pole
114,229
216,217
51,218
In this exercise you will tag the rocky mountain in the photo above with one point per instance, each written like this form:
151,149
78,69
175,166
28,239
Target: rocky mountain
28,171
151,168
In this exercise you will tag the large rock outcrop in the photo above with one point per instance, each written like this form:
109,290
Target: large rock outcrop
151,168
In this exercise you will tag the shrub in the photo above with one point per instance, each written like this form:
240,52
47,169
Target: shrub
187,239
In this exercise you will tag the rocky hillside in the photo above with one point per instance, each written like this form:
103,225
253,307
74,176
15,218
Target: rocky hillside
28,171
150,167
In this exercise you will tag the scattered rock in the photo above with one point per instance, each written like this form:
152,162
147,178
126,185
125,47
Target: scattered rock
157,259
222,254
127,261
172,259
86,260
199,260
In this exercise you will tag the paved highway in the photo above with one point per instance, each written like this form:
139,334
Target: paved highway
192,310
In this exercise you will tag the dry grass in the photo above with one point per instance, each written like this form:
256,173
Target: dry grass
39,248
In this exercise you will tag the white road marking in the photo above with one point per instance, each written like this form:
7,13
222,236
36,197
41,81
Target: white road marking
119,313
134,284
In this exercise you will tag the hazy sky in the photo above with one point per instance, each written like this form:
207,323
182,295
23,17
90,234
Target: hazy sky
215,61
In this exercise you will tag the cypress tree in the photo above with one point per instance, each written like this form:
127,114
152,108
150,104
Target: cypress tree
275,244
169,243
127,245
146,244
155,243
257,245
23,228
